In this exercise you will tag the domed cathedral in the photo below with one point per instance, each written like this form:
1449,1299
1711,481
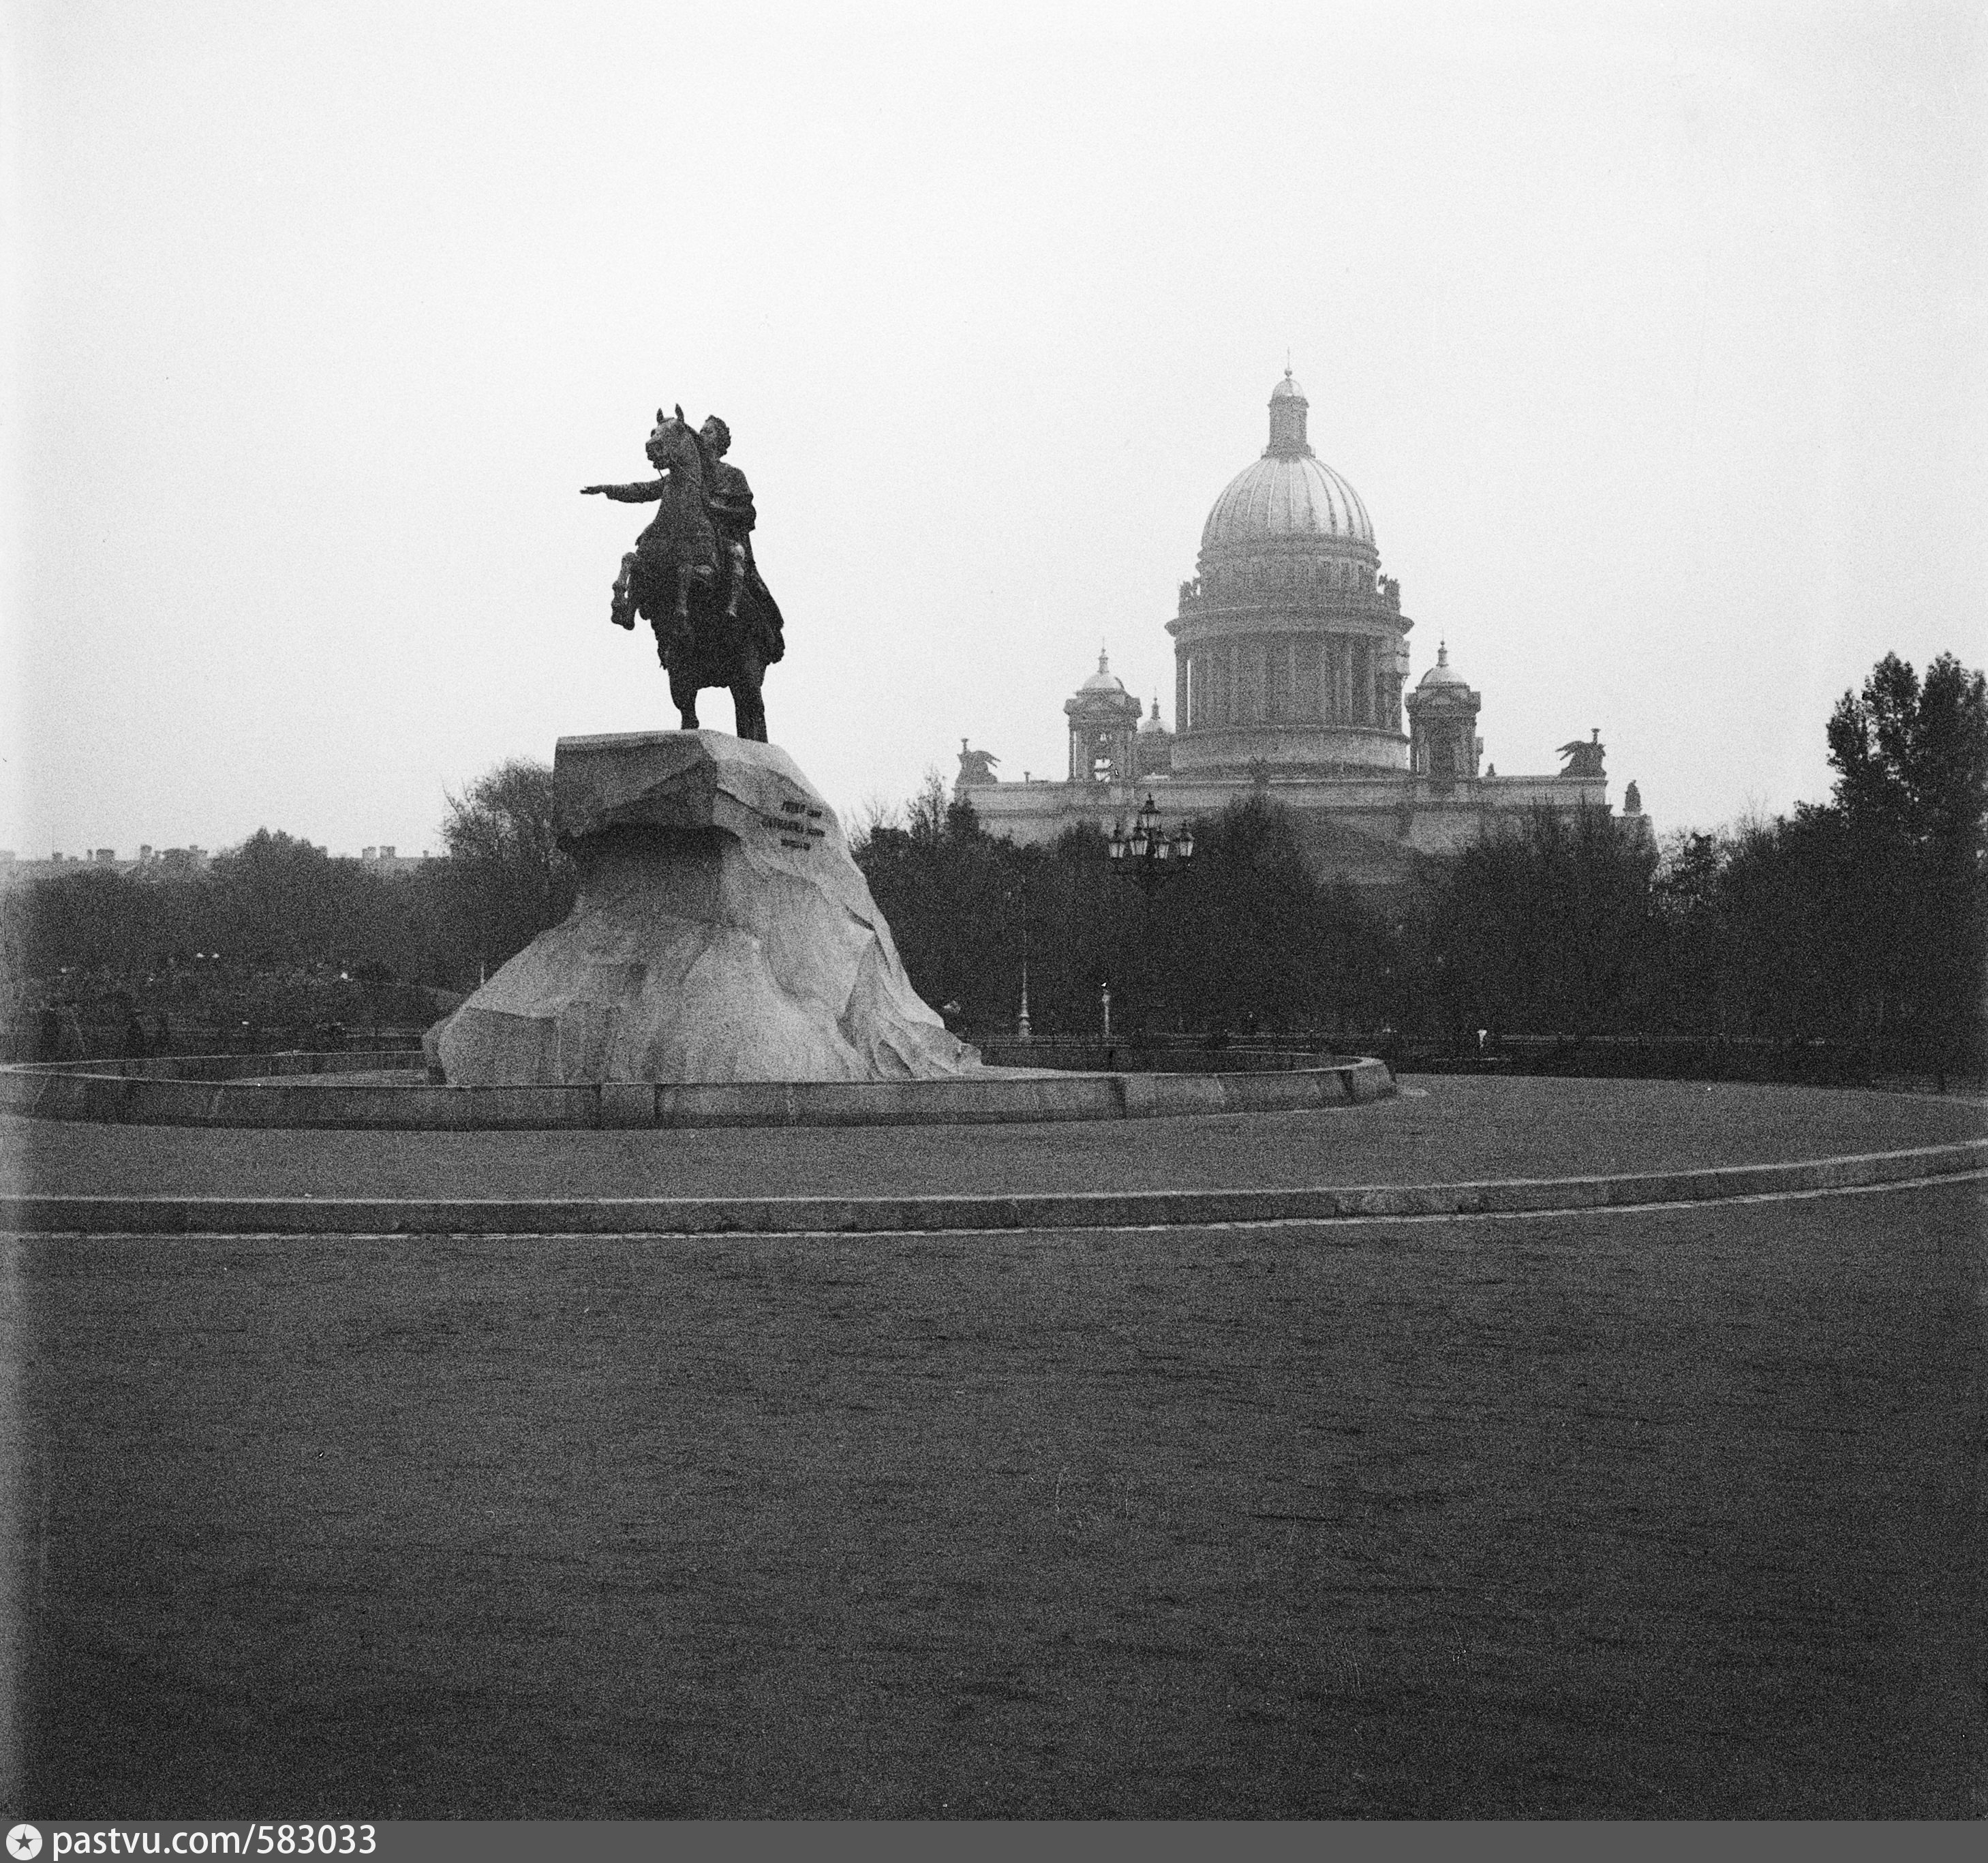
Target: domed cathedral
1289,647
1291,666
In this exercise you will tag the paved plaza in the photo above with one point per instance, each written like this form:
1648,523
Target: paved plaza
1663,1513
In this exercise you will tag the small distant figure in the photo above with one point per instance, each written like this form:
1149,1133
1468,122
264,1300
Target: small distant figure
137,1044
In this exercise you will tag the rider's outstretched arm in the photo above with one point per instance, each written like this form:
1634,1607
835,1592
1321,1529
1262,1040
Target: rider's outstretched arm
643,492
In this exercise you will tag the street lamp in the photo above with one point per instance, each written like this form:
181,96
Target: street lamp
1148,850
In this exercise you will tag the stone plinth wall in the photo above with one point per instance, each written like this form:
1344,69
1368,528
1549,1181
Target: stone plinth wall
138,1093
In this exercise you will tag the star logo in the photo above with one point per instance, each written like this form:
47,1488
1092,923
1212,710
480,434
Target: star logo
24,1843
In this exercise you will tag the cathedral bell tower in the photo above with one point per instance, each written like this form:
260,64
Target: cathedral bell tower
1443,744
1104,727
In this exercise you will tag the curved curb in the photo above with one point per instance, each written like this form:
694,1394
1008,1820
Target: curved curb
199,1092
172,1215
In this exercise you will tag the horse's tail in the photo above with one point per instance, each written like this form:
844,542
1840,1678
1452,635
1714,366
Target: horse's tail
761,615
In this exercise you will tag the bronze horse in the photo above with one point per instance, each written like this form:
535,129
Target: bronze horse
693,580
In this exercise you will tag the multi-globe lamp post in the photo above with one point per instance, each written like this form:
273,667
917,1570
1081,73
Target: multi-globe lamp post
1148,851
1151,853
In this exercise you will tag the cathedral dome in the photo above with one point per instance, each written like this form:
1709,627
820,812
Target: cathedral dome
1288,494
1287,497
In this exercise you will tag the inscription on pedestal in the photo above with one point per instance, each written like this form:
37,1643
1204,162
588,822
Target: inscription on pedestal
796,827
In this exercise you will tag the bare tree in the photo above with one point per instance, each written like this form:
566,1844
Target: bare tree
511,881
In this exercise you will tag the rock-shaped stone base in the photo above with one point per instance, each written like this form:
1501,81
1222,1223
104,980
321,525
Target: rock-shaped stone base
721,933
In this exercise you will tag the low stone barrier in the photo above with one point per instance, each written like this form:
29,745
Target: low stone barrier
70,1215
1173,1056
253,1091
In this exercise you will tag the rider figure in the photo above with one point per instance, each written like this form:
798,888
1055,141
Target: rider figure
728,498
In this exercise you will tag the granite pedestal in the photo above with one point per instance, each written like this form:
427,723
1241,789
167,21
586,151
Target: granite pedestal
722,933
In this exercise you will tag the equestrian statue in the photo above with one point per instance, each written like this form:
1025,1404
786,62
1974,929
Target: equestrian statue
691,576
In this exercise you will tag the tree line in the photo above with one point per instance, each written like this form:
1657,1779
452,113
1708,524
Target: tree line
279,938
1859,920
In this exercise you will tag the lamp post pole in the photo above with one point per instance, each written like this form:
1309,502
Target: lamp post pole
1022,1030
1149,851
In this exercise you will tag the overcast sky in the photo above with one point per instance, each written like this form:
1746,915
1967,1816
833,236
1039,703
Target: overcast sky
1652,338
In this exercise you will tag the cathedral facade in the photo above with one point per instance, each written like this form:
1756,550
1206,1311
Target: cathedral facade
1291,670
